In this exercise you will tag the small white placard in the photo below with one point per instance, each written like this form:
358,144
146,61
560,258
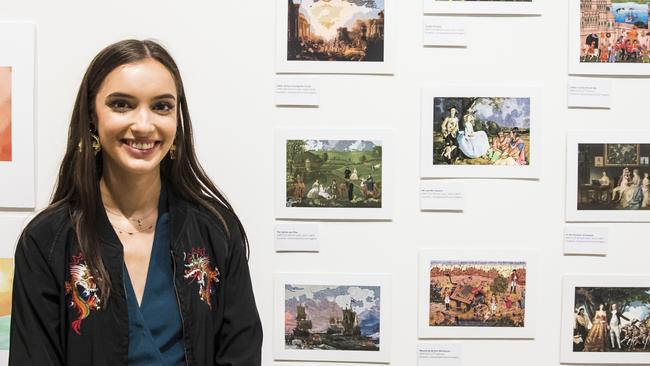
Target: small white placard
444,31
439,354
586,240
297,238
442,196
297,92
590,93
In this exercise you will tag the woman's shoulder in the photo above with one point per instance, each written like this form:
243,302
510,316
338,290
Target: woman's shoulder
46,227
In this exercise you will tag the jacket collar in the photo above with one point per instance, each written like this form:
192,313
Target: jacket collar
178,214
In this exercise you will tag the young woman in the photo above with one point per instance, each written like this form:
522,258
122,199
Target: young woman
138,259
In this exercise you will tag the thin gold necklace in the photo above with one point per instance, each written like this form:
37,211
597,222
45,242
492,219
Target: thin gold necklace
122,231
138,221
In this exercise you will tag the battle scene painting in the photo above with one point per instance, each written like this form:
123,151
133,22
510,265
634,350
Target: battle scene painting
334,173
332,317
613,176
477,293
611,319
335,30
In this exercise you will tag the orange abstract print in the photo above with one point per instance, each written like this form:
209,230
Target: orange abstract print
5,113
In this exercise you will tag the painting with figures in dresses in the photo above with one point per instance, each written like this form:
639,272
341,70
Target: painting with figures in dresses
613,176
477,293
611,319
334,173
481,131
614,31
332,318
5,114
335,30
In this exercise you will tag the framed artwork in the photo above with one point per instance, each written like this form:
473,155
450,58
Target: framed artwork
17,115
617,189
477,294
333,174
609,37
334,36
481,7
480,132
6,284
332,317
605,319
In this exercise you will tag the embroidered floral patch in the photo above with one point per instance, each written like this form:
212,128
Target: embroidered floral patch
82,290
199,269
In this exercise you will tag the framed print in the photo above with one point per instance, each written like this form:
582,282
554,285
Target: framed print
605,319
476,294
17,115
334,36
332,317
480,132
607,180
333,174
6,283
481,7
609,37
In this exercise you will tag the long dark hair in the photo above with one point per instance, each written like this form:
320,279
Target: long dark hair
78,179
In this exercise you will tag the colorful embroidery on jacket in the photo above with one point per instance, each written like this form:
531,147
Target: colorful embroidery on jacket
198,269
82,290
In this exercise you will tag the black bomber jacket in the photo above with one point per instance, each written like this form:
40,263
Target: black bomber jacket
59,317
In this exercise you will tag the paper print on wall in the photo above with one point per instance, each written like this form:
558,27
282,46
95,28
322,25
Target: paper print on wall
481,131
611,319
335,30
334,173
477,293
474,131
613,31
333,36
608,176
332,317
6,284
610,37
621,182
606,319
5,113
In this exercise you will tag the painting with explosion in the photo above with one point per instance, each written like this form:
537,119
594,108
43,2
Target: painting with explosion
335,30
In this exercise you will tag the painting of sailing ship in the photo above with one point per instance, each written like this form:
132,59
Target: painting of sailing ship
477,293
332,318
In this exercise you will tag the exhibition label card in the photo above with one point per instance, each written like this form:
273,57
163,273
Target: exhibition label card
439,354
444,31
297,238
297,92
586,240
590,93
442,196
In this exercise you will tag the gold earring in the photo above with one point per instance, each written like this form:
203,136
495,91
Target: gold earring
97,146
172,152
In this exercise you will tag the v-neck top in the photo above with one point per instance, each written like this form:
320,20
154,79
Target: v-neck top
155,326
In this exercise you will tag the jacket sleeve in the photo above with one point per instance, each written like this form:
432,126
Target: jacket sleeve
35,317
240,340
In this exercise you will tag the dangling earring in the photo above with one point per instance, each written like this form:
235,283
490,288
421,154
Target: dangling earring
97,146
172,152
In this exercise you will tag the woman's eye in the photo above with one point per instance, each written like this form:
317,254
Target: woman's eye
163,107
120,105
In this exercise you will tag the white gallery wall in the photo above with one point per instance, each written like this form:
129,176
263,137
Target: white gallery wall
225,51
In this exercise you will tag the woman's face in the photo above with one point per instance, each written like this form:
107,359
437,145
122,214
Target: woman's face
136,117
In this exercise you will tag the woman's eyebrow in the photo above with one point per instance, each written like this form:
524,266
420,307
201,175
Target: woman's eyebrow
120,95
165,96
